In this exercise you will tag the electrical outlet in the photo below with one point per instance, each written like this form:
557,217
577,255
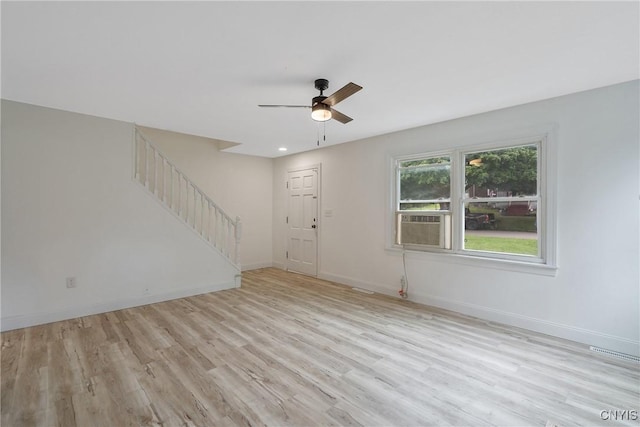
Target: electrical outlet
403,281
71,282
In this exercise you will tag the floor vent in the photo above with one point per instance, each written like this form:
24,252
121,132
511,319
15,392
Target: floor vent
612,353
364,291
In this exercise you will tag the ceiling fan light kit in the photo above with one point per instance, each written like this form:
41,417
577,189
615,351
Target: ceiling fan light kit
321,106
320,112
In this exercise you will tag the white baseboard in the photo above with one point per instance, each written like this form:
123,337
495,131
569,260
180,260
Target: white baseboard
23,321
370,286
279,265
573,333
256,266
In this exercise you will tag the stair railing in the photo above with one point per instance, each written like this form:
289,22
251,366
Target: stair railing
189,203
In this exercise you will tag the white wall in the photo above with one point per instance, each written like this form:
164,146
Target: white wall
239,184
71,208
593,298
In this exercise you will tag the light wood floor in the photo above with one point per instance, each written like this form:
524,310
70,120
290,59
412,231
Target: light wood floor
291,350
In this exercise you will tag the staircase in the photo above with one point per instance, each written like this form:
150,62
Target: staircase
185,200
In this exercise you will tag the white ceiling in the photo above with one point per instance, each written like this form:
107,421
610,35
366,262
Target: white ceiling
203,67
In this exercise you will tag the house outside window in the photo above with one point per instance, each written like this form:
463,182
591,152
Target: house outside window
485,202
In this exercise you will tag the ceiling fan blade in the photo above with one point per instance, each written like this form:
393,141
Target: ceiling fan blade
337,115
345,92
283,106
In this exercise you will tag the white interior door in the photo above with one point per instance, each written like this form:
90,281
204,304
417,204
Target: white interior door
302,219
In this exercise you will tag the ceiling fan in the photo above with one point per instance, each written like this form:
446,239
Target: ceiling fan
321,106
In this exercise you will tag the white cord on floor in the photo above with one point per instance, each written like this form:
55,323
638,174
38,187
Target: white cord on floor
404,292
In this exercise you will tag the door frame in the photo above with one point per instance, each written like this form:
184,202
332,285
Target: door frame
318,167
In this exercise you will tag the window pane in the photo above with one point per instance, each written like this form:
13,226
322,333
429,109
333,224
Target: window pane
491,228
508,172
425,184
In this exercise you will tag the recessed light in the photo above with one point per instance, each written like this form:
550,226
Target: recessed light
282,149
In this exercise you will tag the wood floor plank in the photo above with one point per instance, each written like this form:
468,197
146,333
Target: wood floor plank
174,403
29,398
11,351
292,350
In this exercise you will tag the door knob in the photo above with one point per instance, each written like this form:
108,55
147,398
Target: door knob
313,226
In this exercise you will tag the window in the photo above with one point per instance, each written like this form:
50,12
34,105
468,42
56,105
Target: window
486,202
424,215
501,200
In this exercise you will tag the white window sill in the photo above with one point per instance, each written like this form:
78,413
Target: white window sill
478,261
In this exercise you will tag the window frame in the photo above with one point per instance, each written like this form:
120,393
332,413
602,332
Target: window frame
544,263
444,241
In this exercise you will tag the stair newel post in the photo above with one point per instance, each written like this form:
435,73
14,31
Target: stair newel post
238,235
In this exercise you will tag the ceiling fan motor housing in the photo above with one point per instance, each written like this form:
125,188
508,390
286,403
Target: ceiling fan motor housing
317,100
